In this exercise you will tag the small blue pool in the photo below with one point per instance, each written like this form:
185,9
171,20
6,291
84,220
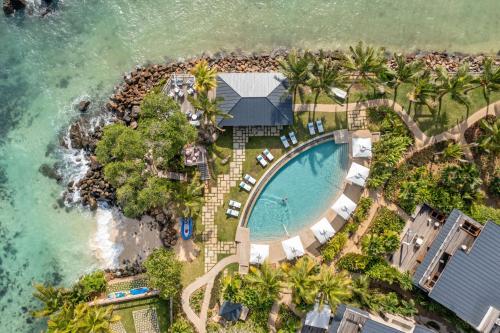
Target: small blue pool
300,192
139,291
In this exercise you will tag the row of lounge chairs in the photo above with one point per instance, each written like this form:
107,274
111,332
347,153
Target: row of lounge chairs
293,139
268,158
319,125
246,185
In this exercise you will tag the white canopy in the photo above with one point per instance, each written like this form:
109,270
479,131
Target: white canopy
362,147
344,206
319,317
357,174
258,253
323,230
293,248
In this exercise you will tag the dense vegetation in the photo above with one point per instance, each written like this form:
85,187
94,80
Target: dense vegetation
164,272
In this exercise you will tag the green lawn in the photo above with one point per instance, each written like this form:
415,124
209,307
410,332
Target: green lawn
221,152
226,226
192,270
123,286
124,310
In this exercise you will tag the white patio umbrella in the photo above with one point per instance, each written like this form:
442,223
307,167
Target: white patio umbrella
344,206
323,230
362,147
293,248
258,253
357,174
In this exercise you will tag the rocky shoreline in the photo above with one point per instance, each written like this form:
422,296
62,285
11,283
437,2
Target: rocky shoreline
124,107
11,7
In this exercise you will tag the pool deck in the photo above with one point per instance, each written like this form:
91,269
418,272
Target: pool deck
310,243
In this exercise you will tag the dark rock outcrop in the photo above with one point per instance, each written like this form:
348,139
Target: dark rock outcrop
11,6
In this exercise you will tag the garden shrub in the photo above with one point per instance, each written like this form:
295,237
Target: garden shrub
354,262
287,321
361,212
334,246
164,272
181,325
375,245
386,220
381,271
482,213
90,286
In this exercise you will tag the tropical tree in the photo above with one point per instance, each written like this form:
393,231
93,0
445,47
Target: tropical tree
231,287
93,319
332,288
403,72
463,179
189,197
164,272
324,75
300,278
296,68
361,291
422,91
205,77
364,64
210,108
488,80
490,140
267,280
52,298
455,85
453,151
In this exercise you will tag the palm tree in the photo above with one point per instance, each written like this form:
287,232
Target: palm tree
488,80
300,278
361,291
490,140
456,85
210,108
231,286
266,280
332,288
423,91
324,75
95,319
205,77
364,64
296,69
51,297
403,72
189,197
453,151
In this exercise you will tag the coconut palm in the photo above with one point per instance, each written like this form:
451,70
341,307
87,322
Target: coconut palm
455,85
403,72
463,179
266,280
205,77
51,297
296,69
423,91
364,64
332,288
95,319
453,151
361,291
210,108
189,197
300,278
231,286
490,140
324,75
488,80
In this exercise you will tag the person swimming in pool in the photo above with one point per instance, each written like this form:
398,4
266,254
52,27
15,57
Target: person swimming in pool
284,200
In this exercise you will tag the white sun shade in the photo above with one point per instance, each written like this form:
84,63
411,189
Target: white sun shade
361,147
258,253
319,317
358,174
344,206
323,230
293,248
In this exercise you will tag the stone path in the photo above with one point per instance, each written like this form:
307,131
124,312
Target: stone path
146,321
117,327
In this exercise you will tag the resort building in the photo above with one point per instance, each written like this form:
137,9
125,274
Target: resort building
352,320
254,99
460,268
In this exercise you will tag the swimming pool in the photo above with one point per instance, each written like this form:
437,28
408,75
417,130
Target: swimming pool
300,192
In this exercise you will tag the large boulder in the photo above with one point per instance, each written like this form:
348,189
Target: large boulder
10,6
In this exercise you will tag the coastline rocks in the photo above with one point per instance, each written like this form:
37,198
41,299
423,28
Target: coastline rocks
83,106
11,6
50,172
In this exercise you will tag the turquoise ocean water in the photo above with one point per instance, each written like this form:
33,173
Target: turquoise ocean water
299,193
48,64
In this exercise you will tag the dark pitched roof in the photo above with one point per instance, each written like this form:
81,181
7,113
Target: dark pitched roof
368,325
470,282
254,99
230,311
422,329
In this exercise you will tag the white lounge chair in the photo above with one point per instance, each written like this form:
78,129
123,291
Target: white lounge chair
234,204
312,131
232,212
249,179
293,138
245,186
319,125
262,161
268,155
341,94
284,141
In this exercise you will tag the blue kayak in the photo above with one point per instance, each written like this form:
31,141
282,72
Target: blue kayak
139,291
186,228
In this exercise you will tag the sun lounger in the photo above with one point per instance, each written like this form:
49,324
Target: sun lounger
312,131
234,204
249,179
319,125
232,212
284,141
262,161
293,138
245,186
342,94
268,155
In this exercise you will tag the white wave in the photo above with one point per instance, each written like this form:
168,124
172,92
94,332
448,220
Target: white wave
103,243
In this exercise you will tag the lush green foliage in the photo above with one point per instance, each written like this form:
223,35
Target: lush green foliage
379,245
164,272
362,209
482,213
132,158
333,247
287,321
89,286
181,325
205,77
380,270
386,220
354,262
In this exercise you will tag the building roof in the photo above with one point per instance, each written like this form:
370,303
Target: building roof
470,282
230,311
254,99
319,317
